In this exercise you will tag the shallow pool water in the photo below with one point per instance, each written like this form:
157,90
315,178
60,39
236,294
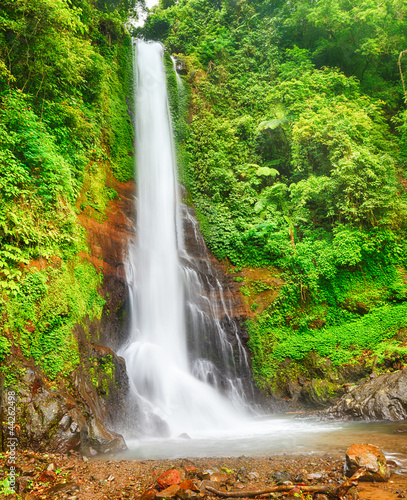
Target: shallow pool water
276,435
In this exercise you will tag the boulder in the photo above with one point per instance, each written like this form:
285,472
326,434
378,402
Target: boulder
184,435
53,420
169,478
369,457
381,398
180,66
318,393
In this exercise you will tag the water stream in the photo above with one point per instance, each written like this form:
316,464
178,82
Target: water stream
185,372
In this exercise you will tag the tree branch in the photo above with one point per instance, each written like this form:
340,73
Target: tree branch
339,492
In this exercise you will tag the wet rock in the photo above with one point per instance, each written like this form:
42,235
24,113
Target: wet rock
190,495
149,494
56,421
190,470
220,479
158,426
67,488
301,477
48,476
184,435
180,66
188,484
318,393
282,477
205,483
252,476
382,398
210,273
352,494
370,457
207,473
101,394
169,478
170,492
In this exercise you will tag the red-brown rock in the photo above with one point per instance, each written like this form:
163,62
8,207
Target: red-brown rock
190,470
188,485
219,478
169,492
169,478
370,457
149,494
48,476
206,483
190,495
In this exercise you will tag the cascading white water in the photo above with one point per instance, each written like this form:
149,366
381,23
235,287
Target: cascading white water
162,380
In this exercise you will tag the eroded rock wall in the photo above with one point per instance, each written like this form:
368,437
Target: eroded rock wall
80,410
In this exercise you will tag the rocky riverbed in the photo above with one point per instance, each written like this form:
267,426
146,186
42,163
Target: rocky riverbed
42,476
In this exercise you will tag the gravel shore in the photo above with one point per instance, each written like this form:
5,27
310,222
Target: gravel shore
44,477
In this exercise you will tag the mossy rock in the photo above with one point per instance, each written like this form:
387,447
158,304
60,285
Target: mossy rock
320,393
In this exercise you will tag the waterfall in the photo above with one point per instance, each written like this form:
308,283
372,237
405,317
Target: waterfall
187,373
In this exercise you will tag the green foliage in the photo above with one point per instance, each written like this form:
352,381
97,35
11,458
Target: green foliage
65,74
101,373
111,194
292,158
43,313
341,344
5,487
4,347
362,39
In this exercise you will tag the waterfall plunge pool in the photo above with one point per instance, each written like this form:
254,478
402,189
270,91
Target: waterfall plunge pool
276,435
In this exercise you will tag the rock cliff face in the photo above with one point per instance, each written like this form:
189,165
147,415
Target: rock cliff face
382,398
108,241
79,412
222,300
55,418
